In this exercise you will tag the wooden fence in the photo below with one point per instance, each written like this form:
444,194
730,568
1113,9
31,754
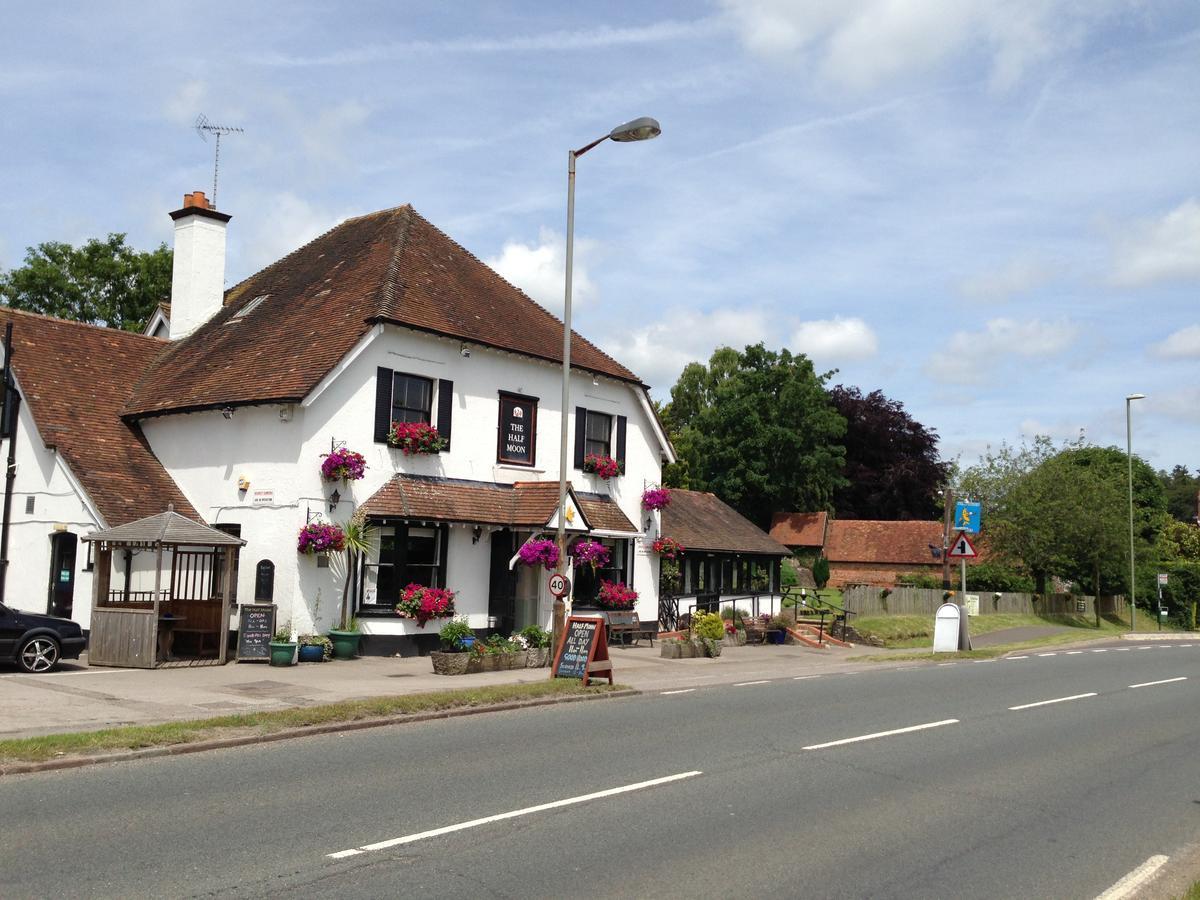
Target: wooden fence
866,600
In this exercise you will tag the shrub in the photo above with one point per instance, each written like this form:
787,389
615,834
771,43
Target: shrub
535,635
919,580
820,571
708,626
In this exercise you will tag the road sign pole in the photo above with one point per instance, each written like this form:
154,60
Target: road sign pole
963,578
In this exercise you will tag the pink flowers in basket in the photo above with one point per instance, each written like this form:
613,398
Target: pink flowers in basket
542,552
415,437
317,537
593,553
667,548
604,466
616,595
343,465
656,498
425,603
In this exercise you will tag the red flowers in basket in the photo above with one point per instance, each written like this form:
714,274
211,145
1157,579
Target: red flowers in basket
415,437
425,603
656,498
604,466
616,595
317,537
667,548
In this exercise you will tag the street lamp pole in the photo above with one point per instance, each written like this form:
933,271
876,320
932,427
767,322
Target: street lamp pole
1129,456
637,130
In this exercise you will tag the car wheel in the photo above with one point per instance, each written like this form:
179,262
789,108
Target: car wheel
38,654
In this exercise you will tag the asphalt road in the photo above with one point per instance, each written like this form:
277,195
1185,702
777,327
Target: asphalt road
1056,800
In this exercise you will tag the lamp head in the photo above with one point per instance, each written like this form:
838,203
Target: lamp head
1136,397
638,130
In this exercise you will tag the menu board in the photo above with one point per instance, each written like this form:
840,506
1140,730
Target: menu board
518,430
583,650
256,627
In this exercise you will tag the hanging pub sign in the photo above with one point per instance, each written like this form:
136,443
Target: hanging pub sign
518,430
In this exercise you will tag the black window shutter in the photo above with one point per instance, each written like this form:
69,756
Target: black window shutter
580,431
620,455
445,408
443,546
383,404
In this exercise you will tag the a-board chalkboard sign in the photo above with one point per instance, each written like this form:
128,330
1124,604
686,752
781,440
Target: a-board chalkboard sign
583,650
256,627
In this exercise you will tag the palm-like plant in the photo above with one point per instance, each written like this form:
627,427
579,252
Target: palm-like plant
357,544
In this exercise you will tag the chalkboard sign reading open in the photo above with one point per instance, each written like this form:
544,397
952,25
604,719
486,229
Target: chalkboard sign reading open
583,651
256,627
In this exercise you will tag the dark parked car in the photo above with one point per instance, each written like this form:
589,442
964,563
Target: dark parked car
36,642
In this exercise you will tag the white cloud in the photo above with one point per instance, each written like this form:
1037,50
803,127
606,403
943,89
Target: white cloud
969,355
540,269
865,43
1179,407
293,222
1181,344
835,340
1160,249
1017,277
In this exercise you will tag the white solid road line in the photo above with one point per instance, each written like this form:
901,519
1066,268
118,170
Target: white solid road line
1048,654
1016,657
684,691
748,683
1135,880
1124,649
541,807
1101,650
1164,681
1074,652
1055,700
804,677
879,734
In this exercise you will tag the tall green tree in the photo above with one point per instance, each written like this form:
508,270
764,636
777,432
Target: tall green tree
892,466
103,282
757,428
1183,493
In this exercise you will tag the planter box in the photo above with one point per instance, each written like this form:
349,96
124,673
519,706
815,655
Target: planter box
489,662
450,663
687,650
515,660
537,658
668,651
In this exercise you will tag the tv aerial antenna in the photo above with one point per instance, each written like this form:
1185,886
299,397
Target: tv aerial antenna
205,128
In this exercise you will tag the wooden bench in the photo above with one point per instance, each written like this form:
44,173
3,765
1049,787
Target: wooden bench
625,623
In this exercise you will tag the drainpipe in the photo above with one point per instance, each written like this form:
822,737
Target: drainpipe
8,429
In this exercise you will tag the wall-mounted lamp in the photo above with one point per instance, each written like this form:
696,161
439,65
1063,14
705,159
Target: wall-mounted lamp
595,381
243,484
227,412
465,351
334,499
476,534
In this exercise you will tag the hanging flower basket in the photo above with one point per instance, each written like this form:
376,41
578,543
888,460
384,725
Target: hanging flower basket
616,595
667,548
656,498
317,537
343,465
415,437
425,603
542,552
593,553
604,466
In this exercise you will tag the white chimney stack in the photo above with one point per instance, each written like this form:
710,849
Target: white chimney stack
198,272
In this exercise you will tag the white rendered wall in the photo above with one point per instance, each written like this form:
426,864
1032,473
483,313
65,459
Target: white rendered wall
207,455
197,273
58,506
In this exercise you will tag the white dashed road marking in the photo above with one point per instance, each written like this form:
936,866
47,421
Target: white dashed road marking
748,683
1131,883
879,734
1164,681
1055,700
683,691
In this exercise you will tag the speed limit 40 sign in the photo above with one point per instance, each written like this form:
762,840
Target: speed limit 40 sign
560,585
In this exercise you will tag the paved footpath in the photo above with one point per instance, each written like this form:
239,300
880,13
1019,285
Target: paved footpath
79,698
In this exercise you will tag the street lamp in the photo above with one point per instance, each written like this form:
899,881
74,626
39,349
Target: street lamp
637,130
1129,456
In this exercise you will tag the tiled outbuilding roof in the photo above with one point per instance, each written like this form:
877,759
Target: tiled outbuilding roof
799,529
75,379
168,528
700,521
392,267
869,541
526,504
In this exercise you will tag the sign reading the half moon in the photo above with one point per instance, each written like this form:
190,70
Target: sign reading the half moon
518,430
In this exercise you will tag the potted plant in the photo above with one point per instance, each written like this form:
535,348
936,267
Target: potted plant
667,548
600,465
355,544
541,552
343,465
415,438
615,595
655,498
454,657
283,648
592,553
320,537
314,648
424,603
537,641
777,629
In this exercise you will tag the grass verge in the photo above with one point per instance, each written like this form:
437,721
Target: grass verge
134,737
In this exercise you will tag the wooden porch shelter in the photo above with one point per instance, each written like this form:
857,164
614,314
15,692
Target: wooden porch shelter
141,628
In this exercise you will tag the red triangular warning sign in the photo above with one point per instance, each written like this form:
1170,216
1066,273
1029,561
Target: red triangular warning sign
962,548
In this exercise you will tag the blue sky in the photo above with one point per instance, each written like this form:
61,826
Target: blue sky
988,211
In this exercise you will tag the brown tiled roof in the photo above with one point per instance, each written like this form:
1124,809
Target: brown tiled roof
391,266
169,528
75,379
799,529
526,504
863,540
700,521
